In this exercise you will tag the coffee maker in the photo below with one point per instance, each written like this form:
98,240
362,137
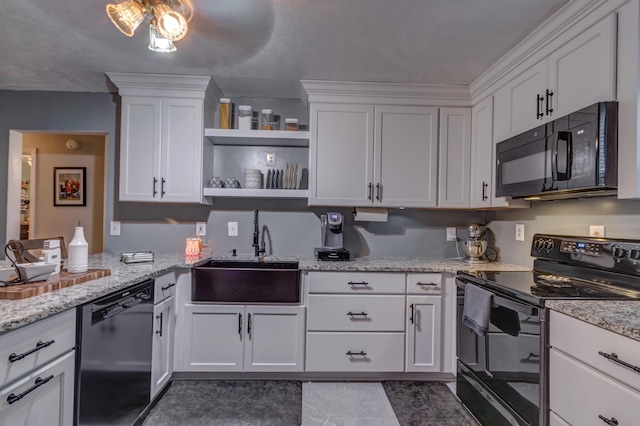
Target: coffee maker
475,247
331,237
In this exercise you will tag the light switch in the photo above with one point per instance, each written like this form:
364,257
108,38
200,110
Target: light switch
233,229
201,229
114,227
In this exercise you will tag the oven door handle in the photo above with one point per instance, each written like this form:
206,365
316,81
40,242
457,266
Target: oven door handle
514,306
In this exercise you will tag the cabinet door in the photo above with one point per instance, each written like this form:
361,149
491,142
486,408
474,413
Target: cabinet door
341,155
405,156
162,352
274,338
455,157
50,401
181,150
583,71
423,333
482,155
140,148
214,338
516,103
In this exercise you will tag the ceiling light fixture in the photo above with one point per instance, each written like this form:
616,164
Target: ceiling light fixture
168,20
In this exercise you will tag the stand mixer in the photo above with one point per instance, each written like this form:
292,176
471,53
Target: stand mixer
475,247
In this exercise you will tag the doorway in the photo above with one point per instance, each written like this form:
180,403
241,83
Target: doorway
46,218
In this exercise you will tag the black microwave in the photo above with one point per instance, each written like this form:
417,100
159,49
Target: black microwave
571,157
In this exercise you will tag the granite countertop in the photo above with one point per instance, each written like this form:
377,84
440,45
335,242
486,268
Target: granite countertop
17,313
619,316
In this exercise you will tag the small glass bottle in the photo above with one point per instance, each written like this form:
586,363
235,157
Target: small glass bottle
225,113
245,117
78,260
267,118
291,124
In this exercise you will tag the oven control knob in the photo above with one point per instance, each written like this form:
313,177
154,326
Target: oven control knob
619,253
538,244
549,245
634,254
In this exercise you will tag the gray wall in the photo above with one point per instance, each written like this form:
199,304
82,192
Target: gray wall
562,217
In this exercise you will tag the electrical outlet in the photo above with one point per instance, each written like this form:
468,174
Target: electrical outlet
114,227
271,159
451,233
233,229
201,229
519,231
596,231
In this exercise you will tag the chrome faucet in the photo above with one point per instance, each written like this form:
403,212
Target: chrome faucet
256,235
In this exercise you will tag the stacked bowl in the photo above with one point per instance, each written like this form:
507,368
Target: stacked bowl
252,178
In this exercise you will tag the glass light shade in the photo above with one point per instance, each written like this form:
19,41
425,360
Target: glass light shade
193,247
157,43
171,24
126,16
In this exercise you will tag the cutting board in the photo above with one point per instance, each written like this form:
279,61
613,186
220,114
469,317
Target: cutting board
55,282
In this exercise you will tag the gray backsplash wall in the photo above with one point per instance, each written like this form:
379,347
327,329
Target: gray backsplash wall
562,217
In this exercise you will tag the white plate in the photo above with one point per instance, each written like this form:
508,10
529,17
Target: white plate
299,178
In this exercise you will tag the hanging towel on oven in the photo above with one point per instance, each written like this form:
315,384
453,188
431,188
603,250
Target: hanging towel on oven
477,309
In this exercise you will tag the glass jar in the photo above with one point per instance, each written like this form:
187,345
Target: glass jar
267,119
291,124
245,115
225,113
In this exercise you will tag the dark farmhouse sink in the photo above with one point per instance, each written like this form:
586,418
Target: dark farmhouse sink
227,281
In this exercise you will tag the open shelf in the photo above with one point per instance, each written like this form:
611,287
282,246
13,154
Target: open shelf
257,137
256,193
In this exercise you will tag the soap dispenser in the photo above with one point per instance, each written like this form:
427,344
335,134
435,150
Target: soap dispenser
78,252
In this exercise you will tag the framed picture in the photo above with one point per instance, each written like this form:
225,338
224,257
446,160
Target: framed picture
69,186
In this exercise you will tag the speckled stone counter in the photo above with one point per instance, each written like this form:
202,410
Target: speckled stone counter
17,313
622,317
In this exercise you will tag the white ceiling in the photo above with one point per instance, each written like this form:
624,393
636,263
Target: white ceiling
263,48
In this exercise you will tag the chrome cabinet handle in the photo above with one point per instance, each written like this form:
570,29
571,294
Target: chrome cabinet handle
39,382
162,192
378,191
614,358
168,287
370,196
485,185
40,345
539,113
155,182
159,332
548,97
612,421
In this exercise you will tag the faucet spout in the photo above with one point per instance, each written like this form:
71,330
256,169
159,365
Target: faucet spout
256,235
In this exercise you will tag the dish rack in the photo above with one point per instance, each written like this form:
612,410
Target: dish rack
136,256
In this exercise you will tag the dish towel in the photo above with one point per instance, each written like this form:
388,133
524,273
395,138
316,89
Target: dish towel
477,309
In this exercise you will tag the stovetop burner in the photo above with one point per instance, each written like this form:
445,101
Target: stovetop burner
553,281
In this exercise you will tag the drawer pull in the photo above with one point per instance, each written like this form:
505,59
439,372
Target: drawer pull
611,422
364,284
167,287
159,332
427,284
412,311
240,325
531,359
40,345
39,382
358,314
361,353
614,358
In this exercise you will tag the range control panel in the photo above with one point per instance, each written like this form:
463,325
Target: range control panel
582,247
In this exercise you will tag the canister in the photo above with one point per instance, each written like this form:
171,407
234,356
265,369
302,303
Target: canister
291,124
267,118
245,116
225,113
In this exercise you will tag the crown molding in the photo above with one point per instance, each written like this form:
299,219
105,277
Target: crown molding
183,86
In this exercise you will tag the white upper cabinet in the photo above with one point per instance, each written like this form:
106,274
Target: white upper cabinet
161,138
579,72
455,158
364,155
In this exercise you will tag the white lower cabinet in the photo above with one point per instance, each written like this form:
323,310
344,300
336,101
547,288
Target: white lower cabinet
163,337
243,338
591,380
423,343
37,363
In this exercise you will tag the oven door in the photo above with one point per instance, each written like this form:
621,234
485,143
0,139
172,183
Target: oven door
506,361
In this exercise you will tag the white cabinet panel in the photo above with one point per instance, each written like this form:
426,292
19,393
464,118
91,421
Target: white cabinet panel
406,156
424,324
355,352
49,403
555,420
454,163
355,313
424,283
482,154
162,346
357,282
341,155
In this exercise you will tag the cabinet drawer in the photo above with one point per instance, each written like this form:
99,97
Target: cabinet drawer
580,394
568,335
424,283
165,286
60,330
369,352
355,313
356,282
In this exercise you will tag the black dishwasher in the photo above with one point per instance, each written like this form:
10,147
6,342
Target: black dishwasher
113,381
